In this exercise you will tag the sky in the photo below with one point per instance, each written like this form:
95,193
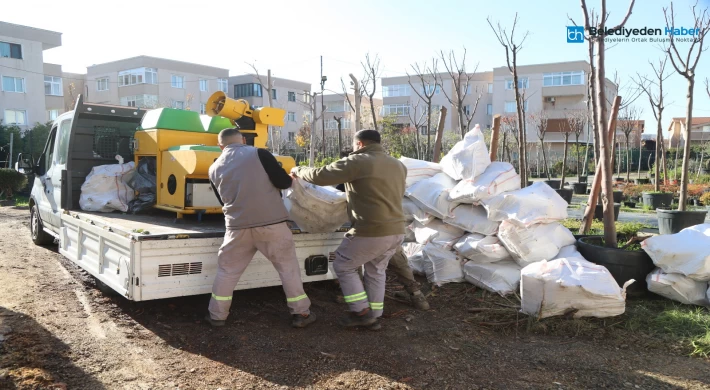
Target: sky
289,37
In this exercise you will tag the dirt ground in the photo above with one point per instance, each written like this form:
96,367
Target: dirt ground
58,330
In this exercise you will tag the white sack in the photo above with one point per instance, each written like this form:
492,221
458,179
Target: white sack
472,219
316,209
498,178
502,277
534,243
468,158
686,252
415,257
432,195
412,212
538,203
442,265
418,170
569,251
678,288
551,288
106,188
481,249
436,231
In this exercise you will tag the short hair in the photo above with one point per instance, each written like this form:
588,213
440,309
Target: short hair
368,136
229,133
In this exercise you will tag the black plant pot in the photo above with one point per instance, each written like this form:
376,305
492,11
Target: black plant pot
530,182
631,205
555,184
599,212
617,195
643,181
673,221
579,188
656,200
566,194
582,179
622,264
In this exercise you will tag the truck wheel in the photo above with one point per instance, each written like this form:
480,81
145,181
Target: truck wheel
39,236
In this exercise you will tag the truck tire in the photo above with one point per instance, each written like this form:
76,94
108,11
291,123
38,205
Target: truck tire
39,236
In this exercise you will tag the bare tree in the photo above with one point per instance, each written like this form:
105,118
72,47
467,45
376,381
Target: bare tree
512,48
372,70
427,77
461,88
628,123
601,114
685,66
265,88
577,120
356,103
417,121
539,121
509,127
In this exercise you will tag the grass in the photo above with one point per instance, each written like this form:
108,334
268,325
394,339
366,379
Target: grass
22,201
622,228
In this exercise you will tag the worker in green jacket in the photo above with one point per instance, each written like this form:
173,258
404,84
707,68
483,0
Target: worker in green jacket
374,188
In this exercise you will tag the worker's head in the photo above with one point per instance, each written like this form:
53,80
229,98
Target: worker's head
229,136
366,137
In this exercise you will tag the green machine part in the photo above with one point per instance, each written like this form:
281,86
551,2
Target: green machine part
183,120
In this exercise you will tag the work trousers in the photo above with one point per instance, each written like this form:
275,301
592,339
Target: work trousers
400,266
275,242
374,253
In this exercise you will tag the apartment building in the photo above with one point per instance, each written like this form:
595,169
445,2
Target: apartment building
337,106
288,95
152,82
31,90
699,131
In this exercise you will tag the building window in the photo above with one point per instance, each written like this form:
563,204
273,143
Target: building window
427,89
52,114
291,116
141,101
395,90
16,117
336,106
203,85
203,108
102,84
522,83
222,85
423,129
273,94
489,109
52,86
490,87
179,105
13,84
291,96
247,90
395,109
138,76
306,97
562,78
10,50
467,110
332,124
307,117
512,107
291,137
177,81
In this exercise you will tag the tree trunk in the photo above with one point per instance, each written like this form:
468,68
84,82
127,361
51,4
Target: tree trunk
521,128
675,163
586,153
428,132
439,135
544,161
628,161
659,147
576,145
640,156
605,150
372,109
593,100
418,141
686,149
564,160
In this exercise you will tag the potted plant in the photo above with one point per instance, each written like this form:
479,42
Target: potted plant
11,181
579,188
656,199
705,199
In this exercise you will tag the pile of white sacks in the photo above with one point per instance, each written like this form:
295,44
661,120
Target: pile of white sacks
684,265
471,221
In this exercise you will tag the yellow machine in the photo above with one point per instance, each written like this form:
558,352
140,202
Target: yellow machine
184,146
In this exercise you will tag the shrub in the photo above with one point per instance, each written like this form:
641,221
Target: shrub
696,190
705,199
11,181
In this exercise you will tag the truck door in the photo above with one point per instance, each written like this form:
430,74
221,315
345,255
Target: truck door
55,162
44,191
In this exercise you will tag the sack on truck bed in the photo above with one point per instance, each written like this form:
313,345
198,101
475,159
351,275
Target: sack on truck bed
502,277
472,219
552,288
436,231
468,158
678,288
569,251
686,252
415,257
106,188
482,249
441,265
316,209
412,212
534,243
419,170
432,195
498,178
538,203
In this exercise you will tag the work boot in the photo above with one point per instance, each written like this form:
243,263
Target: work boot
301,321
363,318
214,323
417,299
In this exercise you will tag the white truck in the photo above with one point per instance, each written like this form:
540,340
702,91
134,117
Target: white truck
142,257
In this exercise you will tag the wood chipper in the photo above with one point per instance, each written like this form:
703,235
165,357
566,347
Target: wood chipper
184,146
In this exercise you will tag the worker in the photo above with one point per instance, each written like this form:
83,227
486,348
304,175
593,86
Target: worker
247,182
374,188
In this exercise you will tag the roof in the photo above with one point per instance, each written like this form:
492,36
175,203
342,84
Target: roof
698,120
149,58
49,39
